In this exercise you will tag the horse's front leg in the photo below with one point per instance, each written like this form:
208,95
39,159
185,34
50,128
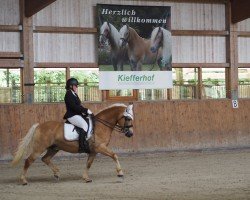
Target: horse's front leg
88,165
103,149
114,62
138,66
133,65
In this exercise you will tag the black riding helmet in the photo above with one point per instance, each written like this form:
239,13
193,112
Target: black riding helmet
70,82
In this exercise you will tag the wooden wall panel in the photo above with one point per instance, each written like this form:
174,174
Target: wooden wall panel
195,16
80,13
185,16
64,47
9,42
198,49
244,25
9,12
161,125
244,49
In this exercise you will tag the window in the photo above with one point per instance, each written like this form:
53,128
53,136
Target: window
153,94
49,84
88,89
10,90
244,82
185,81
213,83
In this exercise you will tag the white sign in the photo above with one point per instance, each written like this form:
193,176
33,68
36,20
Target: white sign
110,80
235,104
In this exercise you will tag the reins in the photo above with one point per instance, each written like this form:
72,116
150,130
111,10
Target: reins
117,127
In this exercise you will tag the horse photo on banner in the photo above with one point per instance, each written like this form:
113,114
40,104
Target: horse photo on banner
135,47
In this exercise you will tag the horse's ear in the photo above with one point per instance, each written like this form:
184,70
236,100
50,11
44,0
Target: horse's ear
108,24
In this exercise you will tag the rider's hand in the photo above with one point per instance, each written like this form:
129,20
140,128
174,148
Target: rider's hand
89,112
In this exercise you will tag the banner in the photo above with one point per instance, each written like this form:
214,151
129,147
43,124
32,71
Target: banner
134,47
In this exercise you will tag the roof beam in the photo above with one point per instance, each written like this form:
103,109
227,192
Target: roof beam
34,6
240,10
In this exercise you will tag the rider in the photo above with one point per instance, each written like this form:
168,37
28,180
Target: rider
75,110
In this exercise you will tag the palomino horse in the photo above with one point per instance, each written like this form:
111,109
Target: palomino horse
50,136
161,38
108,33
138,49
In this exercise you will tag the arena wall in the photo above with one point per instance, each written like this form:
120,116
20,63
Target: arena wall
158,126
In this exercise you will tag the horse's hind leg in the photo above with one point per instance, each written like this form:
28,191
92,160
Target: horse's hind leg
106,151
88,165
47,160
27,164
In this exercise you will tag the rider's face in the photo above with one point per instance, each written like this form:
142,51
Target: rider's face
75,88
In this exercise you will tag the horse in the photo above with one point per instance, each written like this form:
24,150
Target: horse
161,38
138,48
49,137
109,34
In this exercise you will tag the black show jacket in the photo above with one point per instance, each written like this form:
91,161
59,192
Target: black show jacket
73,105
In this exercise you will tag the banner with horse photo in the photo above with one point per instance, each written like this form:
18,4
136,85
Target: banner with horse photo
135,47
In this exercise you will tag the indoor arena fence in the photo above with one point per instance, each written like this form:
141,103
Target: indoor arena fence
50,93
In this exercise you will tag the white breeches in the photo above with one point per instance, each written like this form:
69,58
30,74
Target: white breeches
78,121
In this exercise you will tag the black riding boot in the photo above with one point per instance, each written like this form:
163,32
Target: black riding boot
81,141
83,144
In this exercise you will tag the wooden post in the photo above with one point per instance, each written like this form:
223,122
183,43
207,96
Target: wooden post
231,55
169,94
26,39
200,85
67,73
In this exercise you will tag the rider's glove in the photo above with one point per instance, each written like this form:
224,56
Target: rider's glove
89,112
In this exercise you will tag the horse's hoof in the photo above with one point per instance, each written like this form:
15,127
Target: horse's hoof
25,183
120,175
56,177
87,180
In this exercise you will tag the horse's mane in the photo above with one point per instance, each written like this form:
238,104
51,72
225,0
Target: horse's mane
154,33
114,105
136,34
113,32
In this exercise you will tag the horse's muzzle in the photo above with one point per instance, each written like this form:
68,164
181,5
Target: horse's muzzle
153,49
128,133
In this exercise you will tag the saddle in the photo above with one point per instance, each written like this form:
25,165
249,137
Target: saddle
72,133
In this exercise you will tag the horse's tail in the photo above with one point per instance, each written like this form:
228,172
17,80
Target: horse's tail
25,145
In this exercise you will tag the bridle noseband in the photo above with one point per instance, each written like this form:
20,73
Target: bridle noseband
125,40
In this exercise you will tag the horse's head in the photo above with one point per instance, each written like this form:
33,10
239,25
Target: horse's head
104,33
125,121
124,35
118,117
156,39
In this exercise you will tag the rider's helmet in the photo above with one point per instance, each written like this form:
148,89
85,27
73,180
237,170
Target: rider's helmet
70,82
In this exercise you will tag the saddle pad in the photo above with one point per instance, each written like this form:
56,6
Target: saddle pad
70,133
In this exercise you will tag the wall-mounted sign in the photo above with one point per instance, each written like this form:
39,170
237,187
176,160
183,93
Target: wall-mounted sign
135,47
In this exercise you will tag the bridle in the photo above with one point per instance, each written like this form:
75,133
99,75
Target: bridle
122,129
105,35
125,40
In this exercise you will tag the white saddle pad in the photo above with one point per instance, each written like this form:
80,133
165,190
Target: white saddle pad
70,133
